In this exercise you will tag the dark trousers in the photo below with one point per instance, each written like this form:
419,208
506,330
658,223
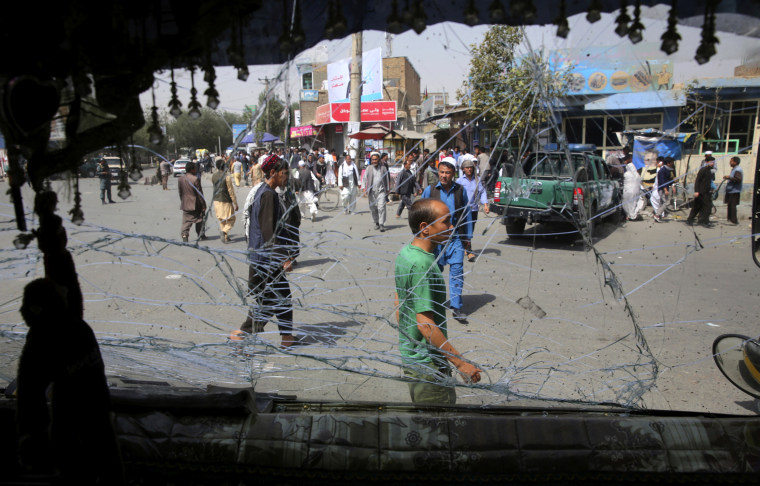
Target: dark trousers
190,218
406,202
702,206
732,200
273,299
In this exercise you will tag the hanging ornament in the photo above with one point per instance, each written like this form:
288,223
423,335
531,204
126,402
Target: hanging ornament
635,33
77,216
393,22
174,103
211,93
563,28
622,20
155,135
594,12
419,22
496,11
471,14
524,9
194,107
671,36
123,189
706,48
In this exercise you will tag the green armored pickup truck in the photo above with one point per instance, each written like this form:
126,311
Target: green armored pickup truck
548,187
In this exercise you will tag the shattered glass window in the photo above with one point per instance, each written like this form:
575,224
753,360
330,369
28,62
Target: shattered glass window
575,305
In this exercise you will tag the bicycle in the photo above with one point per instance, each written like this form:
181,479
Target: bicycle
679,198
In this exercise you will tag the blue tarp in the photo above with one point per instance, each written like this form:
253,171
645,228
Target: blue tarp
658,147
265,138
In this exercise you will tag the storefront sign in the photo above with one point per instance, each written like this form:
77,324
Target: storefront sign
372,111
304,131
309,95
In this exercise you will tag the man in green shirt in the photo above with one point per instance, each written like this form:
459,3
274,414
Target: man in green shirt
420,297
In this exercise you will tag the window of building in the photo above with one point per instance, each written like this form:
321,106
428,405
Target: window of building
726,127
307,81
574,130
595,131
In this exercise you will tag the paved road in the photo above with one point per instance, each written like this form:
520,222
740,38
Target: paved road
163,309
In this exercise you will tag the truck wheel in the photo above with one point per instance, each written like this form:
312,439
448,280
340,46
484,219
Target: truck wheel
91,173
515,227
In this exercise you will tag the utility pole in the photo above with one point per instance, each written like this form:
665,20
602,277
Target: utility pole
355,116
266,101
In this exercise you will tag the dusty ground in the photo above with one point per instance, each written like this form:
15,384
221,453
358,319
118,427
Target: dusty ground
143,294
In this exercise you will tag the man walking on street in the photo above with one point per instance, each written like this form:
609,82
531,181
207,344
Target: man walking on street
406,186
452,253
166,170
192,203
225,200
476,194
733,189
664,186
348,184
702,204
268,257
237,170
376,188
420,297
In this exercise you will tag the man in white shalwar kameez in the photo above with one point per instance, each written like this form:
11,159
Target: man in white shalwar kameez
632,198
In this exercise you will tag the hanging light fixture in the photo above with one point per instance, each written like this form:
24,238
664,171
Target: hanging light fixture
298,35
419,23
706,48
393,22
194,107
336,22
496,11
285,41
524,9
123,189
22,240
155,135
563,28
622,20
671,36
211,93
174,103
471,14
594,12
635,32
77,215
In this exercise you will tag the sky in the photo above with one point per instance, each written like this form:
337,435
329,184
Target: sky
441,56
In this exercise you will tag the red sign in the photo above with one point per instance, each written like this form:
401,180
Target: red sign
322,116
338,128
372,111
303,131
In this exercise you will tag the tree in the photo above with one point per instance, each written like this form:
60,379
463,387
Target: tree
504,88
206,132
273,113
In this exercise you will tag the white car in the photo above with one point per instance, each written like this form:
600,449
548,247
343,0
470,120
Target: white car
179,167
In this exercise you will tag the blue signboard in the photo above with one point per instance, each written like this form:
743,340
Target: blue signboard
237,129
309,95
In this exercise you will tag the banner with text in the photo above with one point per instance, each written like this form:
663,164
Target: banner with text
372,111
339,78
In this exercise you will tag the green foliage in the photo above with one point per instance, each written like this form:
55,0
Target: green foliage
519,90
274,113
206,132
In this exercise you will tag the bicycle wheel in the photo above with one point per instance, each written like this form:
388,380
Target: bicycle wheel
678,201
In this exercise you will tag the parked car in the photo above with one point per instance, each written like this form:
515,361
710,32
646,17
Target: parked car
179,167
114,165
552,188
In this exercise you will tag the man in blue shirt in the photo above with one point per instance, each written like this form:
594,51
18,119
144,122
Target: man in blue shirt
452,253
733,189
